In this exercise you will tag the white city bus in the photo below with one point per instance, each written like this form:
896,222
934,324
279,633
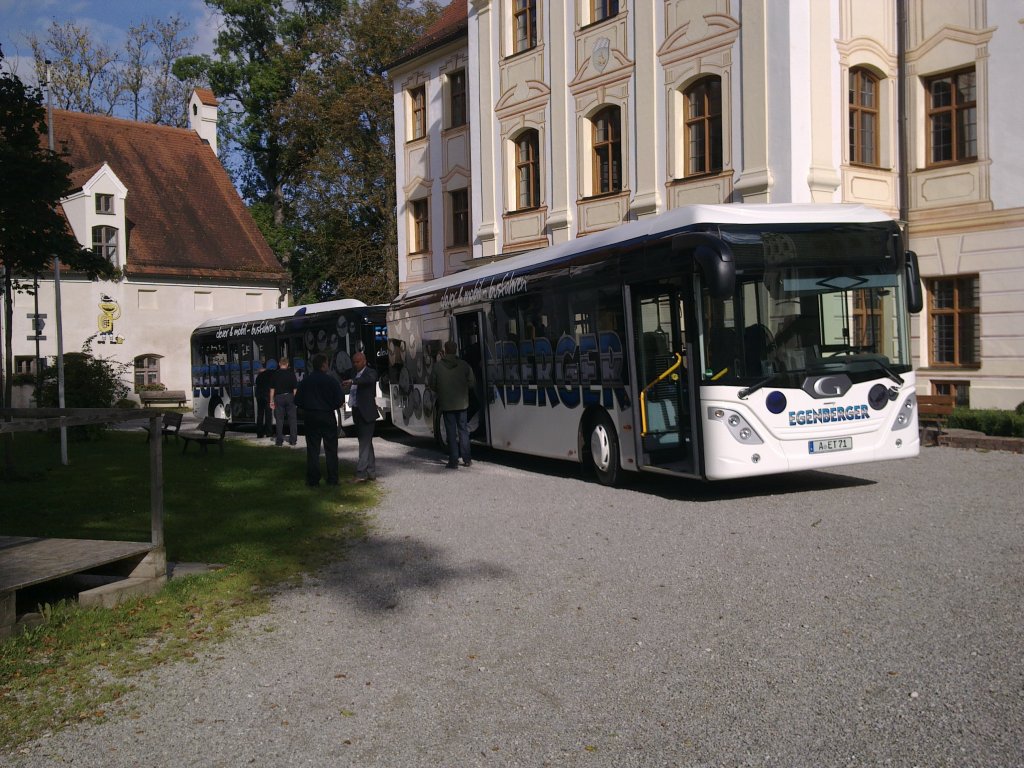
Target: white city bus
711,341
227,352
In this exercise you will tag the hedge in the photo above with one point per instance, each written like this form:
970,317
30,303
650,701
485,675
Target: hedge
990,421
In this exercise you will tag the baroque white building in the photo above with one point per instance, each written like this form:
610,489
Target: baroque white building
523,123
157,202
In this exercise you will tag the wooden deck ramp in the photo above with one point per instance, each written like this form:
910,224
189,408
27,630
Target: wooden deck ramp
121,568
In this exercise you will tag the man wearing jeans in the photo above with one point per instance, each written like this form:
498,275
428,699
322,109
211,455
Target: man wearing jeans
452,380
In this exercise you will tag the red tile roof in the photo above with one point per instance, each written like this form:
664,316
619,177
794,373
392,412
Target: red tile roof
206,96
183,215
452,23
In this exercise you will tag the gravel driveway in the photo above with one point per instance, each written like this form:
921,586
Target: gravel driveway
514,615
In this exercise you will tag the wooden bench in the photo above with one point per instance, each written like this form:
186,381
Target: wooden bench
210,430
171,425
934,410
166,396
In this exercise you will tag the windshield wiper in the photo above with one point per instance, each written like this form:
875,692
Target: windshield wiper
745,393
885,368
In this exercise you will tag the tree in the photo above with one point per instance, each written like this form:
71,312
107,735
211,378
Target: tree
91,382
168,95
258,58
85,75
340,124
89,77
32,182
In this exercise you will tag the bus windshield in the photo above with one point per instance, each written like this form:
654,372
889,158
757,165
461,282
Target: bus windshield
829,303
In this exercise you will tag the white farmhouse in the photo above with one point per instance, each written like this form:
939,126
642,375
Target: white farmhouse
156,202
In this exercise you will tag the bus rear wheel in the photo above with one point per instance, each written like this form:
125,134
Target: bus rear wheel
603,451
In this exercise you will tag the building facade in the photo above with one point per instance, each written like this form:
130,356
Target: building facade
524,123
156,202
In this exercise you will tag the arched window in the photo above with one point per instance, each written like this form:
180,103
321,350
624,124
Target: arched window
704,126
607,151
863,117
527,170
952,117
104,242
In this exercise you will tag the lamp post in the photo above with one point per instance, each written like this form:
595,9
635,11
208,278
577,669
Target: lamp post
56,287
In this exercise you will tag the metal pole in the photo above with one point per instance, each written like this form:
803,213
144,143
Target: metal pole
56,287
37,333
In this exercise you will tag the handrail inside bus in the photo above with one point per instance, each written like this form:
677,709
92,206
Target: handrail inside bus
643,393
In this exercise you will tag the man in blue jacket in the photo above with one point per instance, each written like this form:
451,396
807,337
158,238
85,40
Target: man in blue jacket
319,396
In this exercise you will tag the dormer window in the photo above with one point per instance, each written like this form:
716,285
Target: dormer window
104,242
105,204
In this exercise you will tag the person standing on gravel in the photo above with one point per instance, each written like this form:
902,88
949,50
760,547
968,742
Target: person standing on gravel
363,401
452,380
282,400
319,396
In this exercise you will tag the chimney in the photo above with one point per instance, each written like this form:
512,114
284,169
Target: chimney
202,116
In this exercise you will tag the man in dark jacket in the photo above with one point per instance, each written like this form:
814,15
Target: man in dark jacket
319,396
363,400
452,380
282,401
264,416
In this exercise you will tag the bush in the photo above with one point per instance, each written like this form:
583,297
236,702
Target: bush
1020,409
990,421
89,382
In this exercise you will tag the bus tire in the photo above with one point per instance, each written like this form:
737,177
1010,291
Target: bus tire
602,450
440,433
217,409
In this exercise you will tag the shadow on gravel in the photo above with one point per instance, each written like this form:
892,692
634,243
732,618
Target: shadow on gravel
674,488
388,573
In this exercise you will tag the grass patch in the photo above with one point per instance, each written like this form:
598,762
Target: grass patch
247,509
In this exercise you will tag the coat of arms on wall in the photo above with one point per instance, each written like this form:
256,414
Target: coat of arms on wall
602,53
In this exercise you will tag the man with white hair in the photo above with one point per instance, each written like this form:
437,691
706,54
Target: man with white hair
363,401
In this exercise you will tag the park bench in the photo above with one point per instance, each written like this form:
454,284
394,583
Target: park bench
170,426
210,430
933,411
163,397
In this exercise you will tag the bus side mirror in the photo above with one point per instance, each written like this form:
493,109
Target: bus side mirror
915,295
714,258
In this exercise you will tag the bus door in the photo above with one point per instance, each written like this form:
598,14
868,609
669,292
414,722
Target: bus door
665,438
468,334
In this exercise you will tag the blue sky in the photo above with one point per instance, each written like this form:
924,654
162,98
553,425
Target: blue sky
107,20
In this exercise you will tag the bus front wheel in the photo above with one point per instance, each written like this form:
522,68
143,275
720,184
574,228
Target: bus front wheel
603,451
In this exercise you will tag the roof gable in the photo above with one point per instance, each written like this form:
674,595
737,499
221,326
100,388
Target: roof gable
183,215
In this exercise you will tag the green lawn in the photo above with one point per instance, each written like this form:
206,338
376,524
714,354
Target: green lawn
248,509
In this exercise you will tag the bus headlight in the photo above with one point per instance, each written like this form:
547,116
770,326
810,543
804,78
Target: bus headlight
738,427
903,416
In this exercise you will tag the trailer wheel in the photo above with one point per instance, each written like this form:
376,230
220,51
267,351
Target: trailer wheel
603,451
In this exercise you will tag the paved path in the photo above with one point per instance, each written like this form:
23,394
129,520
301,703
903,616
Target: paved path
518,616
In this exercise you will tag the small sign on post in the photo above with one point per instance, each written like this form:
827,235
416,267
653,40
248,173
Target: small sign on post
38,323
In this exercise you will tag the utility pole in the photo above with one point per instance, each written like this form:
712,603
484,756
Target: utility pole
56,286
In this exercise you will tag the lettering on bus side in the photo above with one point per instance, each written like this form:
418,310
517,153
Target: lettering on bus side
588,371
246,329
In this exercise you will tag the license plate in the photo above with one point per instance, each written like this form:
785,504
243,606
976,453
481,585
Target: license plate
830,445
